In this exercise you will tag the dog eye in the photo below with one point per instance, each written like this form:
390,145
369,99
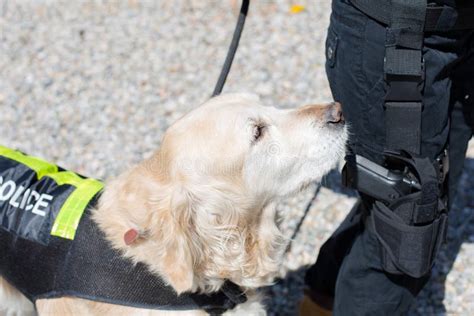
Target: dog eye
258,131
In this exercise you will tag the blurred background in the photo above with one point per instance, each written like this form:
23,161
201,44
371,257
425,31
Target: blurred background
92,86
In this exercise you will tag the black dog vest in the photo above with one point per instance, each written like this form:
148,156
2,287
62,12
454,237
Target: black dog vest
50,247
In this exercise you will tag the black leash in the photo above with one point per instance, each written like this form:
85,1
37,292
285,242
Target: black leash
232,48
303,217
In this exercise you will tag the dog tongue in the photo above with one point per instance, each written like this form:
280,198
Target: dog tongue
130,236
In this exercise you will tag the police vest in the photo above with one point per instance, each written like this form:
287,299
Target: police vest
50,247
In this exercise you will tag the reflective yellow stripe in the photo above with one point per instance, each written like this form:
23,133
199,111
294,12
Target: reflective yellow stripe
40,166
70,213
66,177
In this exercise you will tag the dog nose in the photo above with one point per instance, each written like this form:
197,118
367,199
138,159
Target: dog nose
333,114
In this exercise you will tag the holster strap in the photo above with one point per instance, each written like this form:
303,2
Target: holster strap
404,75
402,125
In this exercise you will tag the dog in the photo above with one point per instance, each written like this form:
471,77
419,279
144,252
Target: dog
202,208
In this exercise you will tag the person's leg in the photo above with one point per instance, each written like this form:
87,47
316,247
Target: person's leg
355,52
462,116
363,288
459,136
321,277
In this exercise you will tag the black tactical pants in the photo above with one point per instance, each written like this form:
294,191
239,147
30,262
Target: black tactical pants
349,264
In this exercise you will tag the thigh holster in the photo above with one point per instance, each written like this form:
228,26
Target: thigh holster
411,228
409,213
406,249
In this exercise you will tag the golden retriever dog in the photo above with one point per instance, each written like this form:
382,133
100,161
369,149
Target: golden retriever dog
205,203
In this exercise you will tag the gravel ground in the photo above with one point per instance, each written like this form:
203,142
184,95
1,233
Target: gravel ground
92,85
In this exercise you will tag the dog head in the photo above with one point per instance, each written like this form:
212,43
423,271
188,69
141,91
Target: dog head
204,203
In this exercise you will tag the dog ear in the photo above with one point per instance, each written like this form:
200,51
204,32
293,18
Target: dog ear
177,265
160,213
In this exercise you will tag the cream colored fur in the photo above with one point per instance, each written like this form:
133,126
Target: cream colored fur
204,203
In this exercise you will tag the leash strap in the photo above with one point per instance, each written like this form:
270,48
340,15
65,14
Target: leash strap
232,48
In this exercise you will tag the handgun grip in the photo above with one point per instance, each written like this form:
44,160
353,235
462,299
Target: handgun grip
374,180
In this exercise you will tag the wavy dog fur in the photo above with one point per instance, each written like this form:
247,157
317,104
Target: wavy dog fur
205,203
